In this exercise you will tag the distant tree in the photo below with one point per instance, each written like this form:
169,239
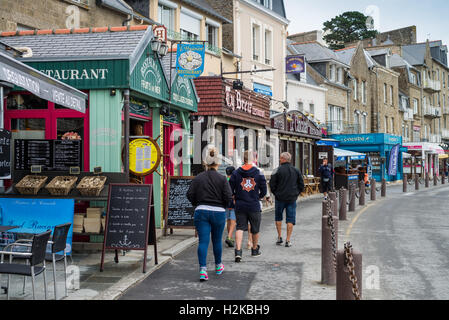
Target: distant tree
350,26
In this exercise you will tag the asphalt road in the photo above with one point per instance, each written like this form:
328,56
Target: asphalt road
404,240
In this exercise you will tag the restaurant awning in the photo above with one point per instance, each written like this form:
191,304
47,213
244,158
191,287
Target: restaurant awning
342,154
41,85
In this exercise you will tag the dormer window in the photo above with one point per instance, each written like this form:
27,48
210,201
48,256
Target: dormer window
266,3
332,73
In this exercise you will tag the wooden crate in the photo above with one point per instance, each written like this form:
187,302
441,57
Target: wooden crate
30,185
91,185
61,185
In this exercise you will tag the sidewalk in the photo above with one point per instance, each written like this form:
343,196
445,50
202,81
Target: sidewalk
116,278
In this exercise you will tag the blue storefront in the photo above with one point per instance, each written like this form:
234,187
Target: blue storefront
377,146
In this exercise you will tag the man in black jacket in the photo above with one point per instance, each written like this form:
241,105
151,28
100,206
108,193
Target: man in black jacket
286,184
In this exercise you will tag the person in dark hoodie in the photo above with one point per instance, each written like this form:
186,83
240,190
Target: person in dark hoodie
211,194
248,186
287,184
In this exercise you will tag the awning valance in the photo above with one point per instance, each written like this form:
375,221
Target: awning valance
41,85
342,154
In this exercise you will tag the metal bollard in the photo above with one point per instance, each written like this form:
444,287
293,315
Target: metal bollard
416,182
427,180
328,262
333,197
362,198
351,199
384,188
343,204
344,284
373,190
404,183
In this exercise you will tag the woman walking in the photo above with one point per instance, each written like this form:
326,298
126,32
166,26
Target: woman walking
211,194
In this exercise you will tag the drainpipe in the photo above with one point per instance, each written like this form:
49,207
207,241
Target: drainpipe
126,119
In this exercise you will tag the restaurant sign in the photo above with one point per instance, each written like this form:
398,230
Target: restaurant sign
236,102
296,122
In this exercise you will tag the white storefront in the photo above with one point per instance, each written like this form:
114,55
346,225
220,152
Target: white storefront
425,158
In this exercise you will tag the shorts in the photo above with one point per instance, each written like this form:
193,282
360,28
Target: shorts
290,210
230,214
326,186
253,218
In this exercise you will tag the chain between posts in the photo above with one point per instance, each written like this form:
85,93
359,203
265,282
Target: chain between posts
349,262
352,194
331,224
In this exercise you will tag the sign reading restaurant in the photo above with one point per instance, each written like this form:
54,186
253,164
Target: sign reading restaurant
78,74
296,122
235,102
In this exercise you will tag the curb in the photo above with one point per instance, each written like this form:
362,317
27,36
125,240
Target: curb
180,247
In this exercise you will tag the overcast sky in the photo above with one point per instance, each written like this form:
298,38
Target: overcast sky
431,17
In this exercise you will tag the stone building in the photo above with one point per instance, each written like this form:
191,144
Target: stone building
258,34
374,102
67,14
327,70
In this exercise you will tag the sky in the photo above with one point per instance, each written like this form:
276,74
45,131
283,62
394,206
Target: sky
431,17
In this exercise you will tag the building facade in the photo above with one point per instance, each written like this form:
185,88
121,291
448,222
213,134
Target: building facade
258,34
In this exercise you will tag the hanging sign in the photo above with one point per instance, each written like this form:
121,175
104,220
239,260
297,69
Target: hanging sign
144,157
295,64
190,60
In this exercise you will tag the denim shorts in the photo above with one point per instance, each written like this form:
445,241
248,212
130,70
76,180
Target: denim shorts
289,207
230,214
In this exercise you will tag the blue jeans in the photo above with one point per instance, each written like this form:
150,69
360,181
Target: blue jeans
290,208
209,224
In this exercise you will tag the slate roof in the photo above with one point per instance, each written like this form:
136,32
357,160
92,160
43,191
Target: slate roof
345,55
315,52
415,53
81,44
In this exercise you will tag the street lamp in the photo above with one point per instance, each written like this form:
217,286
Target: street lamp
156,45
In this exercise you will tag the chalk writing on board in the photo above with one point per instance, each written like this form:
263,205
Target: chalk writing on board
180,212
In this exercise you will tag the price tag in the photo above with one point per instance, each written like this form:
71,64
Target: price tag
36,169
75,170
98,170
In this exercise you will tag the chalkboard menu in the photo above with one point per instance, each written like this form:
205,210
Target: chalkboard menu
130,220
127,220
179,211
52,155
5,154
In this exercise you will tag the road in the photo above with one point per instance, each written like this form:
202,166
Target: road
404,239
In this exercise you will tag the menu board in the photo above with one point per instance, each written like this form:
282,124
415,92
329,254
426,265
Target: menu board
52,155
5,154
180,212
128,217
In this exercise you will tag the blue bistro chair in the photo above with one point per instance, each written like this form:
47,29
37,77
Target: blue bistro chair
58,246
35,257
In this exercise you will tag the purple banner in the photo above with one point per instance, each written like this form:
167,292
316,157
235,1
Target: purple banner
394,160
295,64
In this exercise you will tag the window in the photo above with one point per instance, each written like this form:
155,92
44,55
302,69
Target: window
364,122
413,78
166,16
332,73
335,119
268,47
364,92
391,96
392,125
190,25
415,106
444,79
211,36
312,109
356,121
300,106
386,124
266,3
354,88
256,42
340,75
385,93
25,102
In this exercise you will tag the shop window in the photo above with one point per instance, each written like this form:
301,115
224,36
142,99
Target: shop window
28,128
26,102
70,129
